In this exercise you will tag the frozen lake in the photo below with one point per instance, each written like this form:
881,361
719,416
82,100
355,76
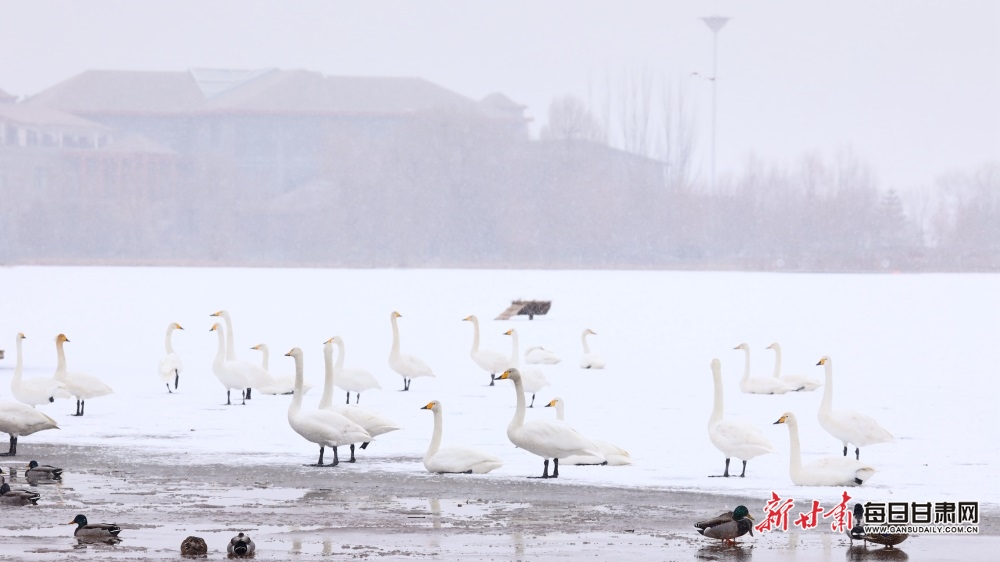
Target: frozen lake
913,351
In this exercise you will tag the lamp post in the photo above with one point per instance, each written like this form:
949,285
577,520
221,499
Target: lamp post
714,23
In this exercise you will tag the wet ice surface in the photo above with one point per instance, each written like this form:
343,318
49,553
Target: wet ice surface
913,351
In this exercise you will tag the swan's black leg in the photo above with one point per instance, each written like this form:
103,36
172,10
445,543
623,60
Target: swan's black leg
243,395
336,460
555,470
493,379
857,453
357,399
845,450
726,473
532,405
12,451
177,379
168,389
406,383
320,461
348,396
352,454
545,471
248,393
744,473
365,444
82,404
228,403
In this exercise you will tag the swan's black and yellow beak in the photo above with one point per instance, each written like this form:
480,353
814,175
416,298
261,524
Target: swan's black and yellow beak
429,406
782,419
289,354
214,327
504,376
822,361
219,313
508,332
551,404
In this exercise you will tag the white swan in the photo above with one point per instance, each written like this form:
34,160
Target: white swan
590,360
408,366
827,471
255,376
847,425
80,385
464,460
351,380
532,380
801,382
549,439
734,439
33,391
18,419
492,362
276,384
373,422
171,364
323,427
537,354
229,377
760,385
613,454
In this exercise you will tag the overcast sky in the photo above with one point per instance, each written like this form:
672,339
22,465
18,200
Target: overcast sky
911,86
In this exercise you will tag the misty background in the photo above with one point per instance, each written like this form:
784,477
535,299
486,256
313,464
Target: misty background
854,137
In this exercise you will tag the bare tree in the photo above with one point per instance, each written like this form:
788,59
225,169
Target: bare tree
569,119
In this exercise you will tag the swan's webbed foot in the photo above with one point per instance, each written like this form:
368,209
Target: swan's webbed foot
724,474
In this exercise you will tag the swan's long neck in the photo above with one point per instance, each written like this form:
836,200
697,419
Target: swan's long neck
61,360
265,356
220,354
169,343
518,420
777,360
475,334
18,365
340,355
436,438
583,338
296,404
327,400
395,337
795,452
827,404
560,411
746,365
230,349
514,354
717,400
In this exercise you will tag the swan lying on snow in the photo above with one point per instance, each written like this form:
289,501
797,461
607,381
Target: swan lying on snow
802,382
408,366
613,454
549,439
323,427
734,439
276,384
537,354
492,362
827,471
590,360
761,385
463,460
80,385
847,425
351,380
171,364
33,391
373,422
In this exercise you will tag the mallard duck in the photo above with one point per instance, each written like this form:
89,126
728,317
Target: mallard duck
16,497
241,546
42,472
94,530
194,546
857,531
728,526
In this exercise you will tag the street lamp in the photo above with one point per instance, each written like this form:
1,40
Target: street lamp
714,23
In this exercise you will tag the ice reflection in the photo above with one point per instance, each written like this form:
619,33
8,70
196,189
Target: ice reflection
861,552
722,551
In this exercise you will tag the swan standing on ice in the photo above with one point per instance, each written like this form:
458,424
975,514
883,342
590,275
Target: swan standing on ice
323,427
492,362
549,439
801,382
351,380
276,384
532,380
734,439
229,377
461,460
613,454
33,391
373,422
827,471
537,354
171,365
407,366
80,385
255,376
847,425
590,360
760,385
18,419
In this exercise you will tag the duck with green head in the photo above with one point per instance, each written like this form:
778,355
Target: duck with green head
42,472
728,526
94,530
857,531
16,497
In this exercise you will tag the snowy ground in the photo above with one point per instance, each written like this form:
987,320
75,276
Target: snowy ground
913,351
